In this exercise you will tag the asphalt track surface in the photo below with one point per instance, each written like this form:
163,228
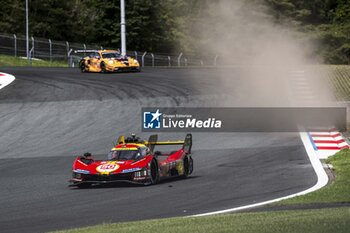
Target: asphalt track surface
48,116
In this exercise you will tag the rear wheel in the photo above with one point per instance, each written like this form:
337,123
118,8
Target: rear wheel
188,166
82,66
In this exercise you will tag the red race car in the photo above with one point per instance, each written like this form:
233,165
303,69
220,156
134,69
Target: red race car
135,161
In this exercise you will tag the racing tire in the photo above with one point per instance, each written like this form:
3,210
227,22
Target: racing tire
154,178
82,66
103,67
188,166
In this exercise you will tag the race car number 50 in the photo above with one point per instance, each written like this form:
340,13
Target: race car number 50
107,167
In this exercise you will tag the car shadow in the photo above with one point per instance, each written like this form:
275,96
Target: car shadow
121,184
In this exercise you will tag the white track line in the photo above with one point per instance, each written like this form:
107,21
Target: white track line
6,79
317,165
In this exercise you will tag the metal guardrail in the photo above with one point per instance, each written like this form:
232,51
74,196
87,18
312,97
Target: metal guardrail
47,49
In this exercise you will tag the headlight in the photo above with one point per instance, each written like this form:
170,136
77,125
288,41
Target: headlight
140,174
110,62
79,173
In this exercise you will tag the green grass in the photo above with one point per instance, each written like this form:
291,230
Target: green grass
15,61
317,221
337,191
339,76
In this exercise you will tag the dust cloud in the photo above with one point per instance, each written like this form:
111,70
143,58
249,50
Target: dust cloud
273,64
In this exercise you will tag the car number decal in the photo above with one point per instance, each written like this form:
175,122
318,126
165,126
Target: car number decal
107,167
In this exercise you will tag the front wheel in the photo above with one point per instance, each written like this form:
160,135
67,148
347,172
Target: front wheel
103,67
154,172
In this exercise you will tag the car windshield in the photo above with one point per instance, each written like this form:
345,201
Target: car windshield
94,55
124,155
111,55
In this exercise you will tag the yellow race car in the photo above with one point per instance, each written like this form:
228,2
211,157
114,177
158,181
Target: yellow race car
104,61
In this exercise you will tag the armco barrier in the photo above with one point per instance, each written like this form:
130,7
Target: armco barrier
47,49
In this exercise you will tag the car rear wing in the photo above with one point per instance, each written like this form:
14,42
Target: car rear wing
153,141
91,50
186,144
86,51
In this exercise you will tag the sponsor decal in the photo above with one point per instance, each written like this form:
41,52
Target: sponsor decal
131,170
124,148
82,171
107,167
180,167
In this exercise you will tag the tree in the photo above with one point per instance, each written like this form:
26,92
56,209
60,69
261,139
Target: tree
12,15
